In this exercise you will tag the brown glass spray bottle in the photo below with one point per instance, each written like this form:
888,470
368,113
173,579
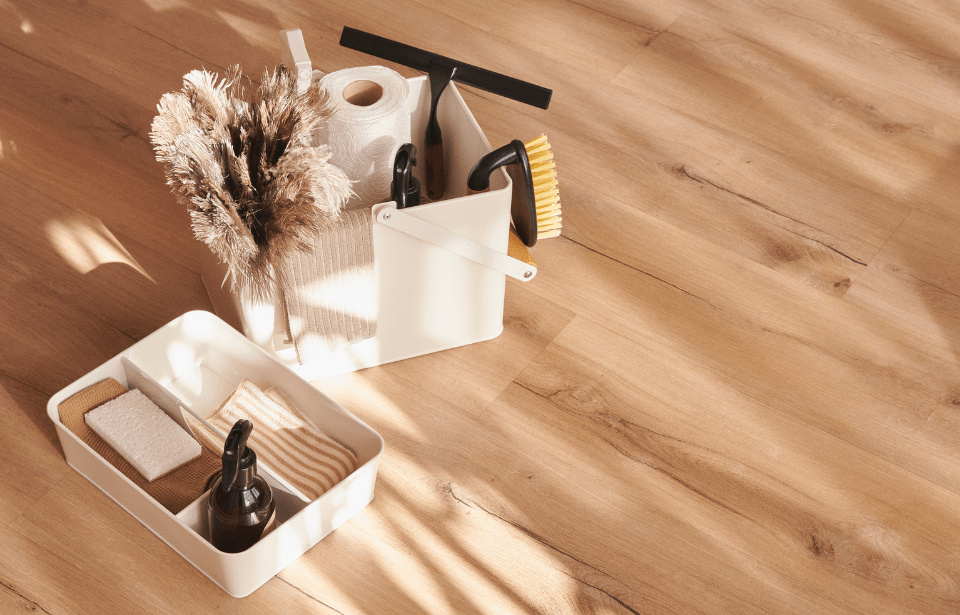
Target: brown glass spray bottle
241,505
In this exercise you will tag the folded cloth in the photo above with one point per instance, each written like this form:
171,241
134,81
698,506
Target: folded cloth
174,490
291,446
329,293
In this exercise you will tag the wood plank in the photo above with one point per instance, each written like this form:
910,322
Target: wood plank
278,596
545,36
712,474
839,124
108,46
39,580
33,462
823,361
84,264
88,149
50,343
904,49
75,293
84,526
913,280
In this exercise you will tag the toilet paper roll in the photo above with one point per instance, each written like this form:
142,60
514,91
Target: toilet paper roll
369,123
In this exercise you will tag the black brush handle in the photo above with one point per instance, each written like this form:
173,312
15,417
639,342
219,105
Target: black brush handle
523,205
467,74
440,75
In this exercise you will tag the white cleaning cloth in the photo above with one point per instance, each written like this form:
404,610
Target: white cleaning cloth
330,294
143,434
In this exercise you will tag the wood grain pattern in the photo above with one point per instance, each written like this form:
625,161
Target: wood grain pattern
28,435
815,369
715,450
733,386
913,279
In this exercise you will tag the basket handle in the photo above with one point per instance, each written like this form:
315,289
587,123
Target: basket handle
516,263
293,55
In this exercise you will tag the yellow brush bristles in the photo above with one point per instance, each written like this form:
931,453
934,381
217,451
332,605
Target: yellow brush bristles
545,187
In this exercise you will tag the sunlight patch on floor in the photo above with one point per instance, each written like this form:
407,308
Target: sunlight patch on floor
257,34
85,244
166,5
26,25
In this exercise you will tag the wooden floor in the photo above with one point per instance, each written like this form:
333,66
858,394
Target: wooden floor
734,386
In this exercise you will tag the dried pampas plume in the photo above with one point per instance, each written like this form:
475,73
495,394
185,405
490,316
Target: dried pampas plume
246,169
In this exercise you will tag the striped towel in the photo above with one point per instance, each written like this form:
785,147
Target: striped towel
284,441
330,292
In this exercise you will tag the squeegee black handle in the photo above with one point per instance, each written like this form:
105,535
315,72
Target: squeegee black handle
467,74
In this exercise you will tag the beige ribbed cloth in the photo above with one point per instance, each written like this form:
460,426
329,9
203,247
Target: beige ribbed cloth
283,440
174,490
330,293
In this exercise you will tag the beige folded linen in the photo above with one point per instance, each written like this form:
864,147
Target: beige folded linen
287,443
329,293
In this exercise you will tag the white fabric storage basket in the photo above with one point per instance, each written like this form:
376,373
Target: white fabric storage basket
439,290
196,361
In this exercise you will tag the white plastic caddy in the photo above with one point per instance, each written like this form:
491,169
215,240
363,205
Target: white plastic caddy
440,267
196,361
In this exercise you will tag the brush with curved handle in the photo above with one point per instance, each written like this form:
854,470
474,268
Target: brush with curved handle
535,208
440,75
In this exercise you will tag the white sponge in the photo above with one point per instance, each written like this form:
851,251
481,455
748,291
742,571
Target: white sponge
143,434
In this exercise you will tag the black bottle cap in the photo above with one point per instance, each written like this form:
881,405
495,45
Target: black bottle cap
239,461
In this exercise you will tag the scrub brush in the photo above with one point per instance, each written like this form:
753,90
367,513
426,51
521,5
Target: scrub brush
535,208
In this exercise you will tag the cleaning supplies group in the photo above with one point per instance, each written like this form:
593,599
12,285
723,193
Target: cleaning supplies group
144,443
535,208
279,177
333,294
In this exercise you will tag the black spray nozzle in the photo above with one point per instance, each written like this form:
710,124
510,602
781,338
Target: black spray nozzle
405,188
523,207
236,455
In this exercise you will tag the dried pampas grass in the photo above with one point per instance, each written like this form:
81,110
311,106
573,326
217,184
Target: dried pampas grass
246,169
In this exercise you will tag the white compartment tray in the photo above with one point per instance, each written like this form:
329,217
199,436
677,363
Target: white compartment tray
197,360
